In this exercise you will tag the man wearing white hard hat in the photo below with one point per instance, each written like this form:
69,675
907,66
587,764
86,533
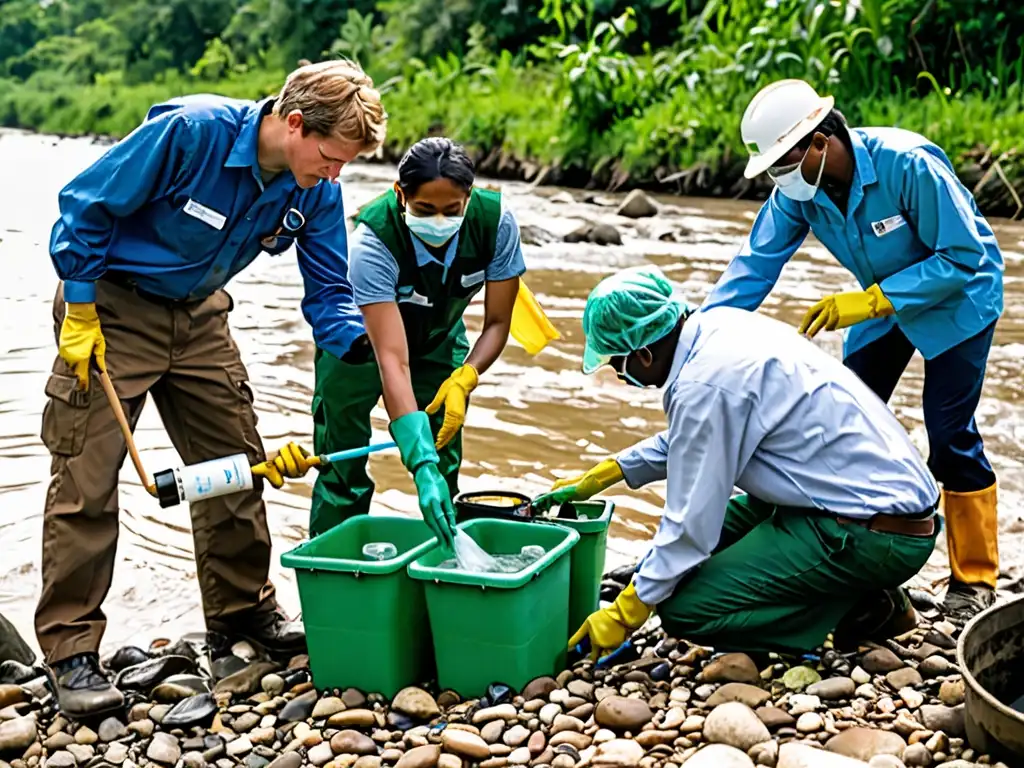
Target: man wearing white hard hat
888,205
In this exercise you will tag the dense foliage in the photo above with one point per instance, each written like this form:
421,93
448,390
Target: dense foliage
604,91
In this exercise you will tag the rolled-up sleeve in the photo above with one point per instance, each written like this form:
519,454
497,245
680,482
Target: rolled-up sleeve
707,447
328,304
778,230
942,214
508,259
373,270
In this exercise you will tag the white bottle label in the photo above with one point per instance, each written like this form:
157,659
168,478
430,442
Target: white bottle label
216,477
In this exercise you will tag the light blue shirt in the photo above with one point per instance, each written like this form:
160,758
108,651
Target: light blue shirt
179,205
910,226
374,271
752,404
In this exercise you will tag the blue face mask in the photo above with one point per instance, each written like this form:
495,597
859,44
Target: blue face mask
626,374
433,230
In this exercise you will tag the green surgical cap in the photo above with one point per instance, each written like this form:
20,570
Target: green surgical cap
627,311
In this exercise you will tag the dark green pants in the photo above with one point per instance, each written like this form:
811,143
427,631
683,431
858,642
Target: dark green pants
781,579
343,398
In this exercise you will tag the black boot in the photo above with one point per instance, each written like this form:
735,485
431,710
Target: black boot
271,630
963,601
81,687
879,616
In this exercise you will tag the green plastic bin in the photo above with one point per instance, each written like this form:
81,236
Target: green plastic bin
507,627
366,621
588,557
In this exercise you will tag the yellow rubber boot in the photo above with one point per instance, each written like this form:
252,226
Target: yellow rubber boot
972,536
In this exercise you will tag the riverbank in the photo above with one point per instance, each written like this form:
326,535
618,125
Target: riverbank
517,124
887,706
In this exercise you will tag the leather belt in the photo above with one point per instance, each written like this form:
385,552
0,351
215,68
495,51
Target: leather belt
128,283
905,526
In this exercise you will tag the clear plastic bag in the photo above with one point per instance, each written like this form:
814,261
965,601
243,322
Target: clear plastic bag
471,556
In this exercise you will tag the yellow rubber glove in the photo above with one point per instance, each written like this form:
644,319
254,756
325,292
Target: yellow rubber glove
453,394
840,310
530,326
581,487
292,461
81,339
610,627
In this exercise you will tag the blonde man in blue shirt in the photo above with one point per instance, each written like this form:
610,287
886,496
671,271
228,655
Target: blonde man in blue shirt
837,508
888,205
146,240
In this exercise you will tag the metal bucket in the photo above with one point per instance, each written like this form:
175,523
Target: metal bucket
991,658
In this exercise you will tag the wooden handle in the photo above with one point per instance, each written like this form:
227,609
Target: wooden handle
115,404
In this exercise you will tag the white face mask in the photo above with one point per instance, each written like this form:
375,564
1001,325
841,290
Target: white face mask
792,183
433,230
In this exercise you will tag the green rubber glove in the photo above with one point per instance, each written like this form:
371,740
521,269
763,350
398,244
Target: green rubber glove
416,446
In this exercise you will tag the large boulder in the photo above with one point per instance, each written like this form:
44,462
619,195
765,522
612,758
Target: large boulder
13,646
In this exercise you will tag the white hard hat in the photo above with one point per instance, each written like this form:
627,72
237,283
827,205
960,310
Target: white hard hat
777,118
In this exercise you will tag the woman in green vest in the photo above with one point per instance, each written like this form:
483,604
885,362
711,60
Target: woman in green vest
418,255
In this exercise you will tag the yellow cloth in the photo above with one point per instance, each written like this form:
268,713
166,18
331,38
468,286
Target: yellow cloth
593,481
610,627
453,394
840,310
530,326
292,461
81,339
972,535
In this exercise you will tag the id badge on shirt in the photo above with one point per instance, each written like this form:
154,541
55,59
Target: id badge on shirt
204,214
885,226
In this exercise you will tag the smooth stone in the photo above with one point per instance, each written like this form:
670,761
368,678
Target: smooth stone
321,754
618,753
122,658
324,708
809,722
263,735
86,735
353,718
621,714
934,666
163,748
352,742
773,717
147,675
803,702
833,688
548,713
449,761
272,684
719,756
299,708
880,661
465,743
287,760
17,734
116,753
240,746
400,721
798,755
862,743
111,729
539,688
247,680
735,724
886,761
245,723
578,741
499,712
226,666
860,676
917,756
59,740
195,710
520,756
731,668
582,688
949,720
144,728
353,698
952,692
911,698
902,678
370,761
252,760
744,693
566,723
537,742
491,732
798,678
516,735
416,703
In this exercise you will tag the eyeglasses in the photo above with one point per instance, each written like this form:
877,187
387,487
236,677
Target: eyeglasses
293,222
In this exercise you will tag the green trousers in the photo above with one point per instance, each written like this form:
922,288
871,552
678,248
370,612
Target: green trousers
343,398
781,579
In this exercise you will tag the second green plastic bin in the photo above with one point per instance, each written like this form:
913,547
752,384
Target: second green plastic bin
366,621
499,627
588,557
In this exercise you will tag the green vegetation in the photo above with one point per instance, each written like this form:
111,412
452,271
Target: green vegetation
607,93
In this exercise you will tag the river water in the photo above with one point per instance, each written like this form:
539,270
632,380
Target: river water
531,420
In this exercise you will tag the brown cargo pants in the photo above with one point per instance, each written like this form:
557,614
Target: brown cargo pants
184,356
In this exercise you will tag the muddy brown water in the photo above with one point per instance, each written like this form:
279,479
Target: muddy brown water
531,420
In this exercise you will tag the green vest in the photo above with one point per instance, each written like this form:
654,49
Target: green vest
431,302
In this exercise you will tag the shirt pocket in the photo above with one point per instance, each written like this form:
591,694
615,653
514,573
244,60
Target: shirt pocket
65,415
192,238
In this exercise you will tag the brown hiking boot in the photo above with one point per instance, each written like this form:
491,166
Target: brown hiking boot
878,617
81,687
272,630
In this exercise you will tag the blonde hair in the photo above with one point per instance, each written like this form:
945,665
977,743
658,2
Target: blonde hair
336,99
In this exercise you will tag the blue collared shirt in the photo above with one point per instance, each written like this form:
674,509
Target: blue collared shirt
910,226
751,404
180,207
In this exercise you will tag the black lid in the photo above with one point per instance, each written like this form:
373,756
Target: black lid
166,488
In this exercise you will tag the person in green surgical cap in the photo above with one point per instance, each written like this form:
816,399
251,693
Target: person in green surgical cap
837,508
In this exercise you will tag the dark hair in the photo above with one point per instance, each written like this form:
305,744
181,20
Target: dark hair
432,158
833,124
